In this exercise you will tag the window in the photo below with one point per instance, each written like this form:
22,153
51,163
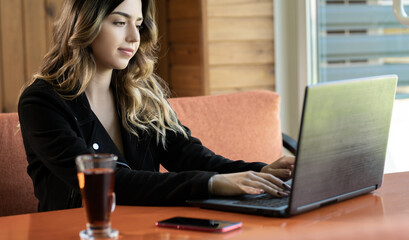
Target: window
360,38
329,40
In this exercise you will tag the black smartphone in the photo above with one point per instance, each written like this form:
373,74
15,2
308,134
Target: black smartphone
199,224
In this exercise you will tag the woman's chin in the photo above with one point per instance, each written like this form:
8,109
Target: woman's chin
121,67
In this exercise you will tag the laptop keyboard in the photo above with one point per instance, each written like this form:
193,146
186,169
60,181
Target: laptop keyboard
263,200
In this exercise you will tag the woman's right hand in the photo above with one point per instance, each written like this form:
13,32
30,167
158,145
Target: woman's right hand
247,183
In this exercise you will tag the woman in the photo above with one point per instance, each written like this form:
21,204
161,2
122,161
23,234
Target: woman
96,93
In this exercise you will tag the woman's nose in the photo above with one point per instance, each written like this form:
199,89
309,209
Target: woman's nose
133,34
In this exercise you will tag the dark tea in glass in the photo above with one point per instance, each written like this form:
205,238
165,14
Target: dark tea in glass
96,181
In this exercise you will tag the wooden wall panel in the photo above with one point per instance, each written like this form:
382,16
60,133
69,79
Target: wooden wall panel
183,9
187,80
185,38
241,45
242,76
236,2
1,66
35,38
181,31
236,29
230,43
185,54
25,33
13,66
233,90
205,47
241,52
240,8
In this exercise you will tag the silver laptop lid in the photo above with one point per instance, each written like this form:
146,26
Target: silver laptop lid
342,140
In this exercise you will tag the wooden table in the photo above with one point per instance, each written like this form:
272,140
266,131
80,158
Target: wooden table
383,214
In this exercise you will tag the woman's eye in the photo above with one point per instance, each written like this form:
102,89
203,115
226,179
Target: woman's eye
119,23
139,27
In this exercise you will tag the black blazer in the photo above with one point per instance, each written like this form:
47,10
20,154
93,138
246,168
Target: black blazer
56,130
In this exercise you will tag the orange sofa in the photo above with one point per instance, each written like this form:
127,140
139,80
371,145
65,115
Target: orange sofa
16,187
242,125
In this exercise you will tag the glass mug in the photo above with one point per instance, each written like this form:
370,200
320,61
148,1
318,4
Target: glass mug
96,179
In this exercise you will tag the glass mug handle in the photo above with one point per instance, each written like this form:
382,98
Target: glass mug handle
400,12
113,202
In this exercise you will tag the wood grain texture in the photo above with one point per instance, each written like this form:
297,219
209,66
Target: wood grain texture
1,66
25,38
241,76
221,29
13,65
379,215
35,36
205,49
184,9
240,8
185,54
241,52
239,89
235,49
181,31
185,41
185,79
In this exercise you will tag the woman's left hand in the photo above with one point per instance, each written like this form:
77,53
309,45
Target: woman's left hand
281,168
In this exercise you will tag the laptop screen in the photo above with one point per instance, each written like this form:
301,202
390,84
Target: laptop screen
343,138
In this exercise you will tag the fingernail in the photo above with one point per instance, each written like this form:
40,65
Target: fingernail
285,185
282,194
261,191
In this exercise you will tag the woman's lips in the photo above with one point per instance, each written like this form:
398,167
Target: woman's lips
126,51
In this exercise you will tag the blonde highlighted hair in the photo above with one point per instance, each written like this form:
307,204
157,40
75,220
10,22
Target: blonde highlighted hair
69,67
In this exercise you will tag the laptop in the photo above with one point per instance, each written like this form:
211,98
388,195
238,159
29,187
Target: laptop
341,149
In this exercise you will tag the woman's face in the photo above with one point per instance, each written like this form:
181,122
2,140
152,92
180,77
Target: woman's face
119,38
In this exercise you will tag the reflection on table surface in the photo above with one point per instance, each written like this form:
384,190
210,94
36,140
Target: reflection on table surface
378,215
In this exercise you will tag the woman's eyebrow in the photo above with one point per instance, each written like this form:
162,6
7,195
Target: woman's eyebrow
127,15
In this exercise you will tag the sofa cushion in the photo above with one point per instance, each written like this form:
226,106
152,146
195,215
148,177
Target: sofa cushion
243,125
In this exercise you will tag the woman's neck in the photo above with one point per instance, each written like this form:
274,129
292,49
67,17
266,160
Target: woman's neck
99,86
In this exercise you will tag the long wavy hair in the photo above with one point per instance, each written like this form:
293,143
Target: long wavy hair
69,67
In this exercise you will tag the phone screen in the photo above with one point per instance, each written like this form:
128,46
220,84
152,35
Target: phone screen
199,224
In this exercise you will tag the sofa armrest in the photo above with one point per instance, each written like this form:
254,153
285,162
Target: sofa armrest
289,143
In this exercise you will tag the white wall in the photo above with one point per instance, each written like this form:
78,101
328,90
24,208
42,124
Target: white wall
293,63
